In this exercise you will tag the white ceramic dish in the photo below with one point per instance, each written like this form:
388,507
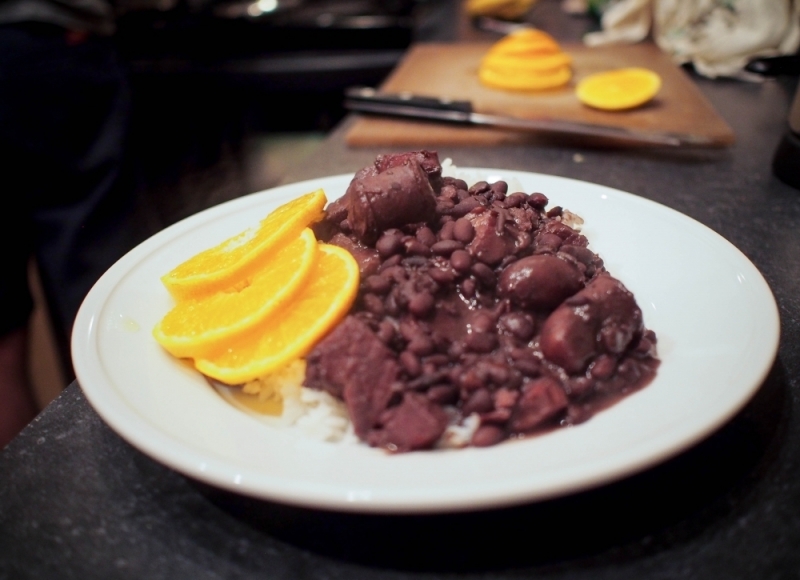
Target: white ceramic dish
714,315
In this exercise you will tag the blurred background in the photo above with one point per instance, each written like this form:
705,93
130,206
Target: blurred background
228,94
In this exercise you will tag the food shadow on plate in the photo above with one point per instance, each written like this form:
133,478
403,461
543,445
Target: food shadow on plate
664,506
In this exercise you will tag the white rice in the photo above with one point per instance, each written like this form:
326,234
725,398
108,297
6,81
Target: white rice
323,417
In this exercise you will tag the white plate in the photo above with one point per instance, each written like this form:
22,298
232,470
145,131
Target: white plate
715,317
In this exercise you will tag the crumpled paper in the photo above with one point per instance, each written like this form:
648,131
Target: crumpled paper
719,37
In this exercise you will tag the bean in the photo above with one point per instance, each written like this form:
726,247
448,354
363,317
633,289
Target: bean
468,287
479,187
410,363
463,230
538,201
420,345
603,367
461,260
391,306
481,342
480,401
484,273
516,199
442,276
487,368
462,208
460,183
500,187
426,236
373,304
438,359
497,374
530,367
446,247
417,248
389,263
488,435
377,284
386,331
446,233
443,394
481,322
421,304
644,346
388,245
469,380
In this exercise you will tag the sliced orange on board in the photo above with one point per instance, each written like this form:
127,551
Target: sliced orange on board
196,325
241,256
525,60
291,332
619,89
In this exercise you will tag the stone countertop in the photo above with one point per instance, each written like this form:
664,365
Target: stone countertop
78,502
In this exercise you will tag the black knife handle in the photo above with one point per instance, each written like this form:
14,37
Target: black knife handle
370,95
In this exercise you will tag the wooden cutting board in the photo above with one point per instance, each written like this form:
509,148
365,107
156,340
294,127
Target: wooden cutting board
450,70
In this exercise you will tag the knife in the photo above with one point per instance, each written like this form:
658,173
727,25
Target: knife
407,105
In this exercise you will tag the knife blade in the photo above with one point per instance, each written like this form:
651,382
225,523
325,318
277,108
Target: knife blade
407,105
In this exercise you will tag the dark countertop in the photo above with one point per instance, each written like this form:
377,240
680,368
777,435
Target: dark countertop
78,502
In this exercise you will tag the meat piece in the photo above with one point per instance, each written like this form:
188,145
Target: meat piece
488,245
584,256
367,258
541,401
540,282
416,423
428,160
395,197
351,363
336,210
331,224
601,318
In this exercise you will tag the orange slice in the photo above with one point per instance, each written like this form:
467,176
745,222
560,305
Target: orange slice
538,63
291,332
525,60
196,325
241,256
526,41
619,89
516,80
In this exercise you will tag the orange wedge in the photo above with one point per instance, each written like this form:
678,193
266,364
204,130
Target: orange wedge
291,332
241,256
619,89
196,325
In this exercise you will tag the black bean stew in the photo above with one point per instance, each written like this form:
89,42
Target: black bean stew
473,300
